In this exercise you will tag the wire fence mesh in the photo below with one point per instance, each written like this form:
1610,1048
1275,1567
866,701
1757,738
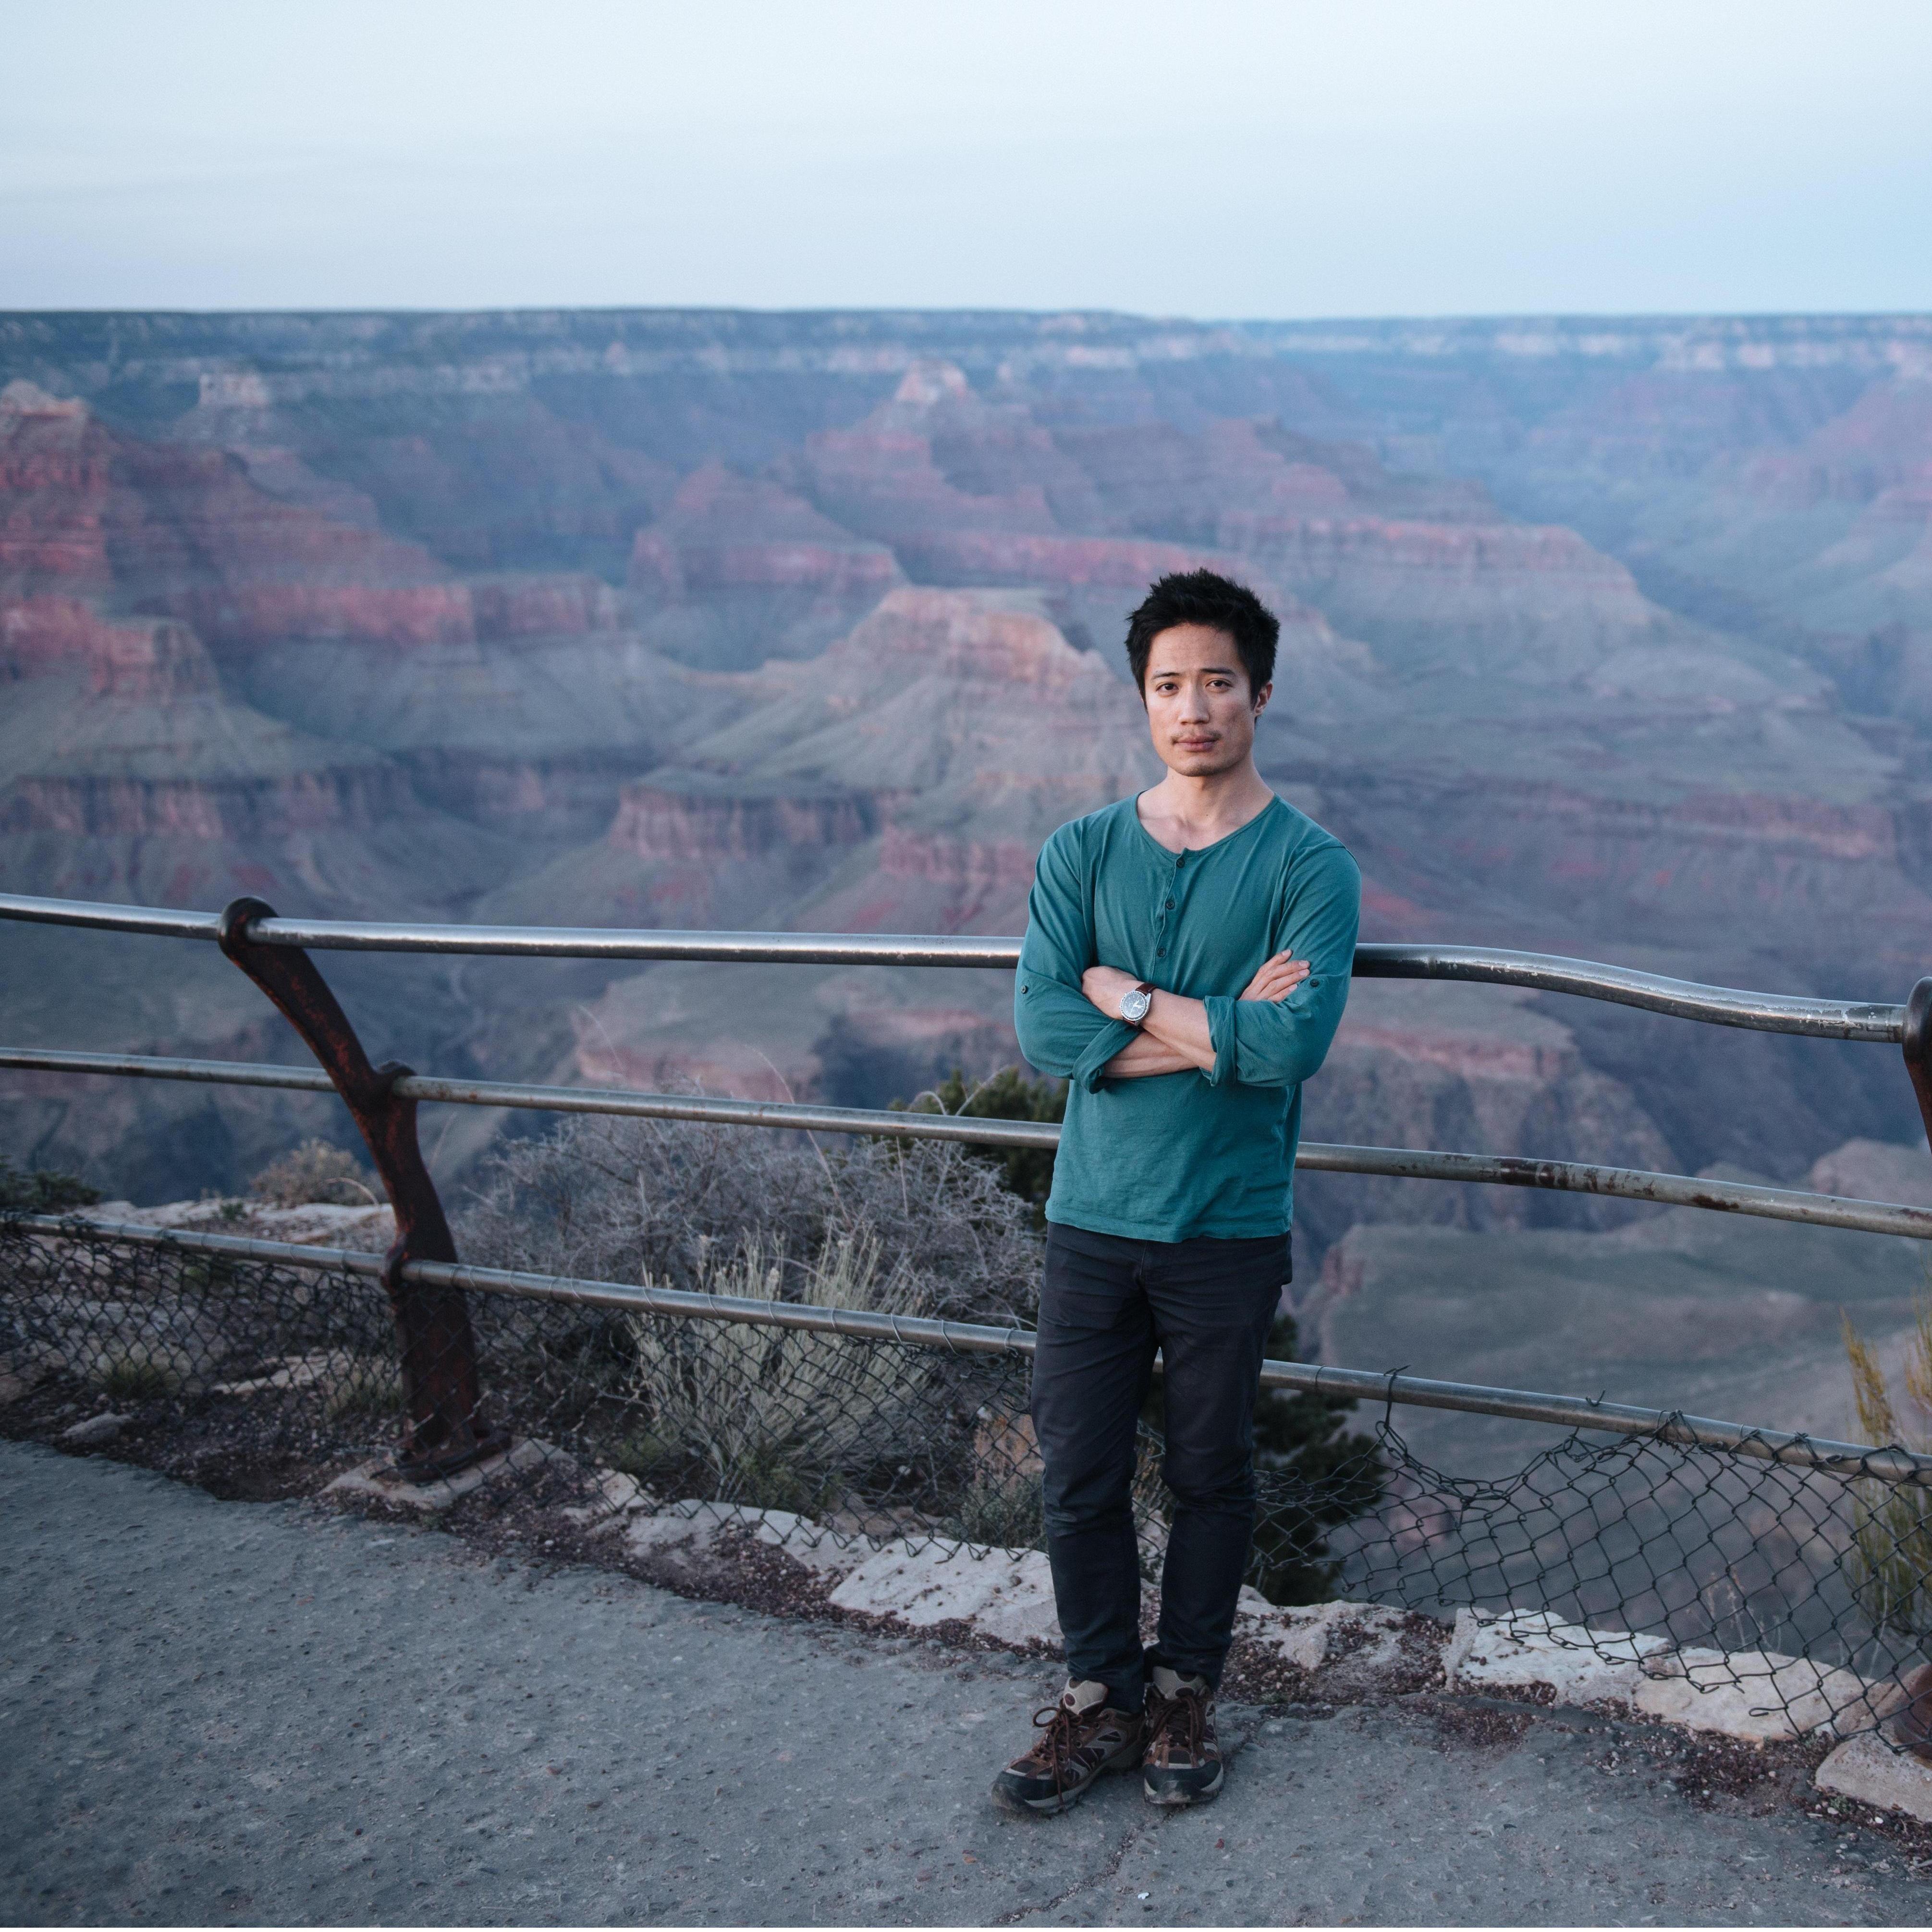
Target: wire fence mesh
794,1468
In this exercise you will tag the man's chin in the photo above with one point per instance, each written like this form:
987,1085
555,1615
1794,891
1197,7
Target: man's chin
1200,764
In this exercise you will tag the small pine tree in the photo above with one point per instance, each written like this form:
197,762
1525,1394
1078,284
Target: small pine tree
1009,1095
43,1191
1315,1475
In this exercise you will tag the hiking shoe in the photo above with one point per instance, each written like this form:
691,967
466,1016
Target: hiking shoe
1081,1736
1182,1765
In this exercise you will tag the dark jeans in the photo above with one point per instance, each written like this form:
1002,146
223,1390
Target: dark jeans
1107,1304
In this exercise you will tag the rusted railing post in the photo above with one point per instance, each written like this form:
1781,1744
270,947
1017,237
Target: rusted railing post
1917,1046
441,1387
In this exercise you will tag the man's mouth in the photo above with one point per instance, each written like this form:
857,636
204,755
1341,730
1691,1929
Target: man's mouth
1195,744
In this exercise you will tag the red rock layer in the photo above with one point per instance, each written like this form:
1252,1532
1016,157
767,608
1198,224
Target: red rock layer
147,660
725,532
935,458
659,824
944,634
55,476
974,870
1311,549
356,798
184,533
239,615
569,605
1882,443
1013,556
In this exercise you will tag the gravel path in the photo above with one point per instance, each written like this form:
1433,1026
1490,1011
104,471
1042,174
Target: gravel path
216,1711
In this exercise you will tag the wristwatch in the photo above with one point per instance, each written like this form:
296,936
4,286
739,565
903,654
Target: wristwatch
1134,1005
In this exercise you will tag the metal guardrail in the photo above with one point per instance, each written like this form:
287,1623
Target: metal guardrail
1892,1465
426,1281
1675,1190
1681,999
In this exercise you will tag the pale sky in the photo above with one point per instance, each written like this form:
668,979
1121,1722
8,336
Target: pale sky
1202,158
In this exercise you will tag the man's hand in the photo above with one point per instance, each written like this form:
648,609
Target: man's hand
1277,979
1106,986
1178,1026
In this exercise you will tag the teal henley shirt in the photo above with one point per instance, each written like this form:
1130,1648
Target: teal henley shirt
1174,1156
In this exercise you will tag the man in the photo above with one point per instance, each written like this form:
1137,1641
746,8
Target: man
1186,960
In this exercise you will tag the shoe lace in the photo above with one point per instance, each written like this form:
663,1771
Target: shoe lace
1181,1720
1056,1747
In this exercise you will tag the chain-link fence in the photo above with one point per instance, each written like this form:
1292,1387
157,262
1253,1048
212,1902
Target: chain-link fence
788,1466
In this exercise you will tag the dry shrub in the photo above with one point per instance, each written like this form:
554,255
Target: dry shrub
1891,1558
776,1416
315,1171
618,1200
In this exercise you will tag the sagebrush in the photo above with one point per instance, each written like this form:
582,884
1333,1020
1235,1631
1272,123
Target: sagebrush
629,1201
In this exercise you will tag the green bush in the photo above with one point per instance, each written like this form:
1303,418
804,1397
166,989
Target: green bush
43,1191
135,1377
1009,1095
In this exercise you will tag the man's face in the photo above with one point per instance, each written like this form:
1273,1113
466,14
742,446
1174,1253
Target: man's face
1200,711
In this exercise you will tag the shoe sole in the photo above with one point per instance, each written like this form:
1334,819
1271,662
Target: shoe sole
1172,1798
1127,1759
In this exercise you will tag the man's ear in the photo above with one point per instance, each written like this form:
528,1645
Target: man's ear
1262,697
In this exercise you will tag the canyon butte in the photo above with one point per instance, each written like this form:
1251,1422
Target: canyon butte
1611,638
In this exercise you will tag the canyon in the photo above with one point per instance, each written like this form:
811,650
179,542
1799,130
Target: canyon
1609,638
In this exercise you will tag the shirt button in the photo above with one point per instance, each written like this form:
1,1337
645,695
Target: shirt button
1160,952
1170,905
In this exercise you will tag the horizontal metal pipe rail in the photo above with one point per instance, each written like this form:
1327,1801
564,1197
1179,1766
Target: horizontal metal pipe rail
1674,1190
1892,1465
1682,999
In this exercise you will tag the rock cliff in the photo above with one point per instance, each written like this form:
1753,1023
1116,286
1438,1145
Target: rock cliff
1611,639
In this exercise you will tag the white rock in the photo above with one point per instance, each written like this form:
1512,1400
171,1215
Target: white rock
295,1371
1306,1634
1006,1595
95,1429
1756,1695
19,1375
327,1224
375,1481
1520,1648
685,1531
1868,1769
619,1495
621,1491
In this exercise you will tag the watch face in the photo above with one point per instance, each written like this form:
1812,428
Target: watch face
1134,1007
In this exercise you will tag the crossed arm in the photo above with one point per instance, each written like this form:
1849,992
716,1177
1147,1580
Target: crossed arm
1275,1033
1174,1035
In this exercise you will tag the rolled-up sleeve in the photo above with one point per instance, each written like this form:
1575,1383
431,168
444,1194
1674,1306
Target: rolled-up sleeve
1060,1031
1282,1042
